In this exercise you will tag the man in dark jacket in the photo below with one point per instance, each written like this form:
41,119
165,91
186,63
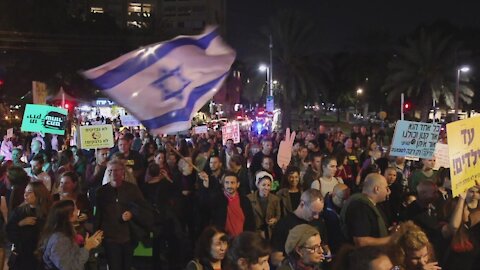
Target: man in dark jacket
232,210
115,211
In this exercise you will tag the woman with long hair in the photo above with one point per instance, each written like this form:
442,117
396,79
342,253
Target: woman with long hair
327,182
24,226
290,191
210,250
57,246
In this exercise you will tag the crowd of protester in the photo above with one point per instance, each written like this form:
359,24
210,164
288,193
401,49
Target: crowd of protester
342,203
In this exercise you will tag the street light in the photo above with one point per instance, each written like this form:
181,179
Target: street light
359,91
265,68
457,90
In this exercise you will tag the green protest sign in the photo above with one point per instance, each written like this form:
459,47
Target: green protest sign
43,118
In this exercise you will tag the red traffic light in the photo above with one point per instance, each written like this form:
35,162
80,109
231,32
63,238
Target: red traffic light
406,105
1,82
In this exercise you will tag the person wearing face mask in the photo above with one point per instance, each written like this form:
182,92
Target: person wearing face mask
333,206
266,206
303,248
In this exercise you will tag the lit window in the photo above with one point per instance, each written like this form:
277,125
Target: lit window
139,15
96,10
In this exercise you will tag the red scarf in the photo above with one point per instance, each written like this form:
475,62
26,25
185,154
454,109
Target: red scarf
235,216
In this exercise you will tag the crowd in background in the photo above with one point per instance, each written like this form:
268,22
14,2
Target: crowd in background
342,203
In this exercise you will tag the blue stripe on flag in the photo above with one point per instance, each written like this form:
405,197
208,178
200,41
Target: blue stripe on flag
134,65
182,114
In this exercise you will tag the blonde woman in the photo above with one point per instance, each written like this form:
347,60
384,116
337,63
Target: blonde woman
411,249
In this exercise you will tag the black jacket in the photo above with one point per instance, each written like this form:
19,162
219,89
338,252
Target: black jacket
218,211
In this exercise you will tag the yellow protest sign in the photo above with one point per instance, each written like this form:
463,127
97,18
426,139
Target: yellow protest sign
464,153
98,136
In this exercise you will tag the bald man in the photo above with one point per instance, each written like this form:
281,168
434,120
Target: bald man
362,222
331,214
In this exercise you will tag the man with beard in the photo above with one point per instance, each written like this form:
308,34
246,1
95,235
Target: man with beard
38,175
231,211
96,170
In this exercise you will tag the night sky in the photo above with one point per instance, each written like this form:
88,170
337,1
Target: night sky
344,23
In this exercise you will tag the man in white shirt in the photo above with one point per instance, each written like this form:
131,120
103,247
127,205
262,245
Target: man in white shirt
37,174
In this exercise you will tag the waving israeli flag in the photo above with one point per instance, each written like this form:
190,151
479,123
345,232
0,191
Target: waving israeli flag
163,85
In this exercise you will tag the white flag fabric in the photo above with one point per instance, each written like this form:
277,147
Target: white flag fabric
163,85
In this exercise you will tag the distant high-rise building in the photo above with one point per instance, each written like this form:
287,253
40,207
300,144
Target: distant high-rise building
168,17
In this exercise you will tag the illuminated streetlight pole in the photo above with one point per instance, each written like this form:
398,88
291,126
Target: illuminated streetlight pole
457,90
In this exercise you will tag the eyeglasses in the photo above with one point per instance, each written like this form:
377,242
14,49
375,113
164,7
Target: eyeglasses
314,249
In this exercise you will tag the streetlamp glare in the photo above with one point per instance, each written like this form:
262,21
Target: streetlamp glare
359,91
262,68
465,69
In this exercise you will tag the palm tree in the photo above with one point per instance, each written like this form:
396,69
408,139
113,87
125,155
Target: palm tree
298,63
424,68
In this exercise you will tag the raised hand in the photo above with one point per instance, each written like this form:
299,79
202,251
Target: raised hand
285,150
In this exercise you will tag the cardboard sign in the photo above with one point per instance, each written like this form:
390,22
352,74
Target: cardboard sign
231,131
129,121
98,136
9,133
441,156
200,130
414,139
464,153
44,119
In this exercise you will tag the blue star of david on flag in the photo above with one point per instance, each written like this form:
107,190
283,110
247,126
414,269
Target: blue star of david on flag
171,83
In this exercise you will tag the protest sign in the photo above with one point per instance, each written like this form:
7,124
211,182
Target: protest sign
9,133
129,121
441,156
414,139
231,131
98,136
464,153
200,129
44,119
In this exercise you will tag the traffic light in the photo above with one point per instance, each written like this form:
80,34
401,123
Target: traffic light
407,106
1,82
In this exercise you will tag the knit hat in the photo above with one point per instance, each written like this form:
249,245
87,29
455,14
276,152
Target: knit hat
260,175
298,236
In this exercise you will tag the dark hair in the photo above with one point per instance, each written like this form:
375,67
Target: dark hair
65,157
326,160
73,177
441,175
204,244
58,221
38,158
230,173
17,176
351,258
153,170
341,158
290,170
249,246
44,200
237,159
